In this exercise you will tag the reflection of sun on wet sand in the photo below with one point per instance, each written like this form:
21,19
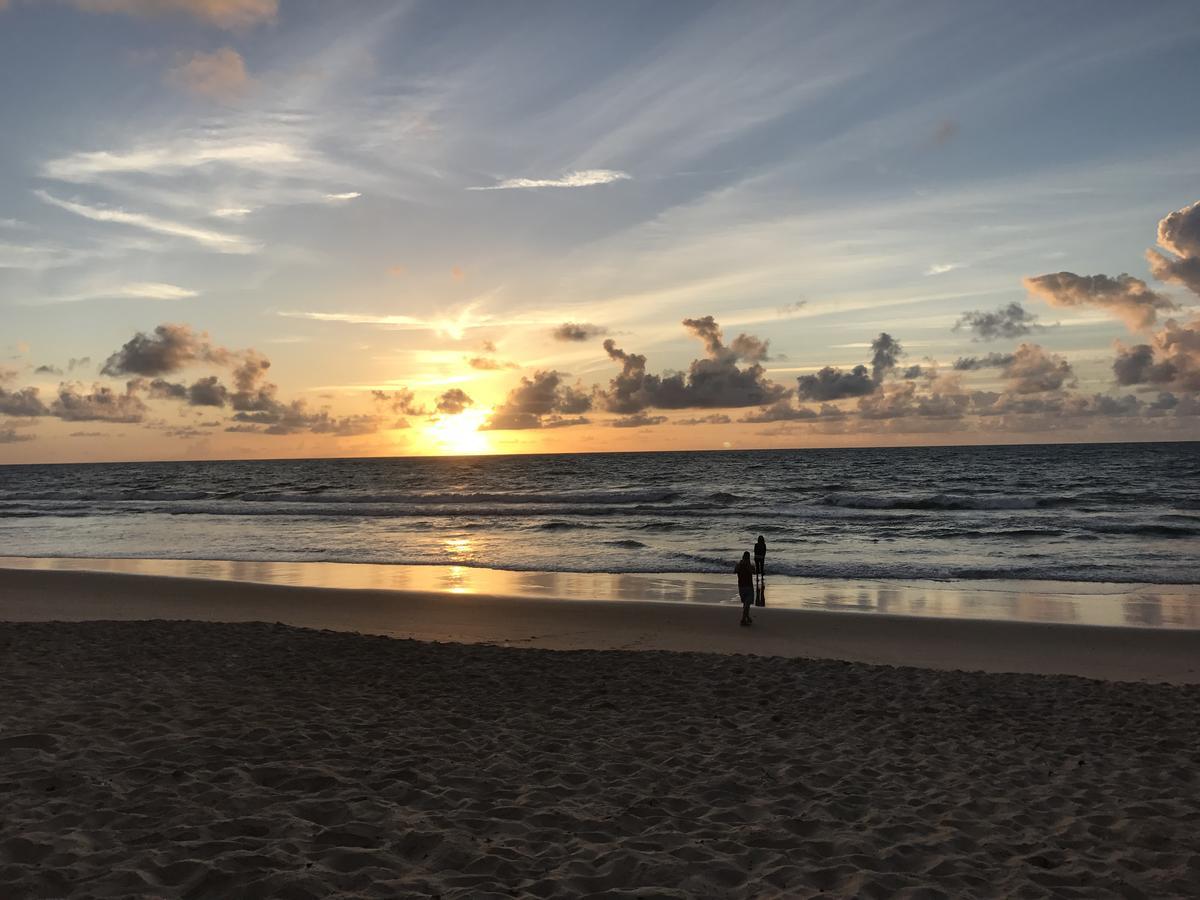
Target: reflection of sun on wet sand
215,760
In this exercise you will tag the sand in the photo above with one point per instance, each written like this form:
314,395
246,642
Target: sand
1115,653
184,759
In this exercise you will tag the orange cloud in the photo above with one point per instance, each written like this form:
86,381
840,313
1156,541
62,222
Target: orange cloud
220,75
230,14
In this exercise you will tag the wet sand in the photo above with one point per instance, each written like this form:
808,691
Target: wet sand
186,759
1115,653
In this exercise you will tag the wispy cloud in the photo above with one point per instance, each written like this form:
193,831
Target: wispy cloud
942,268
453,326
342,198
170,157
216,240
582,178
134,290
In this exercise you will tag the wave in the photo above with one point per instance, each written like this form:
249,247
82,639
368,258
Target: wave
940,502
627,544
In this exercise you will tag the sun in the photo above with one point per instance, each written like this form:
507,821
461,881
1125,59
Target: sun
459,435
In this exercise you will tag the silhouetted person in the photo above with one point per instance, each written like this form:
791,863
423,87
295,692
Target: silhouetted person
760,557
745,577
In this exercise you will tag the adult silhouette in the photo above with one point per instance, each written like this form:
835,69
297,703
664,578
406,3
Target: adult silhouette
745,576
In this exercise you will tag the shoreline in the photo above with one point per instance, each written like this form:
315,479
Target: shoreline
1115,653
1170,606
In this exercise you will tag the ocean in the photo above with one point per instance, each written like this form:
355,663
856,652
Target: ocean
1117,513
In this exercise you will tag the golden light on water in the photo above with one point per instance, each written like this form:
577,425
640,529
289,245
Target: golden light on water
460,434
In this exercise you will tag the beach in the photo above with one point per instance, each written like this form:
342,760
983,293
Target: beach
163,756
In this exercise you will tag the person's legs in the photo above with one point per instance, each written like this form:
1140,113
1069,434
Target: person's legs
747,602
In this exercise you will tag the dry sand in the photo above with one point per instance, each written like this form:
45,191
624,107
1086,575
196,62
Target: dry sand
184,759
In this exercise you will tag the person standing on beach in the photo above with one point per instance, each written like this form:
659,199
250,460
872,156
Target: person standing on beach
760,557
745,577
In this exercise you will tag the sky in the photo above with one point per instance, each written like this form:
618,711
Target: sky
293,228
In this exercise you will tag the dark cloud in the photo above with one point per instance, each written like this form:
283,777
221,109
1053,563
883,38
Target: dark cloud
47,370
207,392
988,361
1179,234
24,403
1126,297
10,435
835,384
781,411
1012,321
912,372
637,420
543,401
488,346
578,331
453,402
167,350
102,404
715,381
714,419
790,309
73,363
1033,370
159,389
401,401
885,352
277,418
1172,359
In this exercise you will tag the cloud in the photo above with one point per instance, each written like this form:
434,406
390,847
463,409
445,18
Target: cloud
1126,297
713,419
1032,370
782,411
1172,359
206,391
216,240
220,75
885,352
227,14
543,401
23,403
790,309
102,404
637,420
47,370
260,156
169,349
1011,321
1179,233
487,364
989,361
942,268
453,402
578,331
715,381
342,198
73,363
9,433
260,412
401,401
831,383
136,290
581,178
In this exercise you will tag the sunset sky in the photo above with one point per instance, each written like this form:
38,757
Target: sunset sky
249,228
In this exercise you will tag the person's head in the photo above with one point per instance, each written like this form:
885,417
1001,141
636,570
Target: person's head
761,539
746,555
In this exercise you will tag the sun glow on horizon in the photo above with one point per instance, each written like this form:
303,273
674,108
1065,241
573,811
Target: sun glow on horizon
459,435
